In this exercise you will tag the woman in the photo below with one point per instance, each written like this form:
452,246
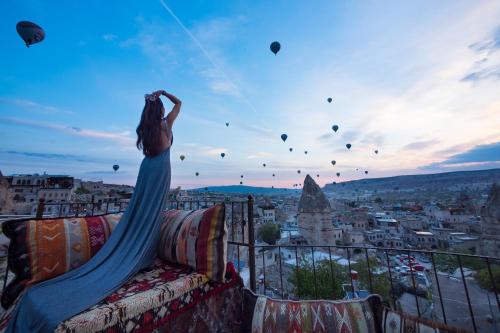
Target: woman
130,248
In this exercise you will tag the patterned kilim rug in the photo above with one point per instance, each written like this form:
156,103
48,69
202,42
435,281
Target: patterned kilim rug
153,299
272,315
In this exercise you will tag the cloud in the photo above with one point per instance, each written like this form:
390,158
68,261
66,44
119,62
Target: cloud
483,156
350,135
259,155
488,67
491,72
109,37
421,144
152,42
490,44
481,153
50,156
120,137
33,106
219,83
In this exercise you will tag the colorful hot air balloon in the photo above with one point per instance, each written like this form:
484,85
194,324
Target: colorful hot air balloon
348,146
227,124
329,99
116,167
335,128
222,155
290,149
182,157
275,47
338,174
334,162
30,32
284,137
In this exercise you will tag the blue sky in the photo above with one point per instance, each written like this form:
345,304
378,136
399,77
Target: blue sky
417,81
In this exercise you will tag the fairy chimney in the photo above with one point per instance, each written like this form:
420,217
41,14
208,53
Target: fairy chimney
315,216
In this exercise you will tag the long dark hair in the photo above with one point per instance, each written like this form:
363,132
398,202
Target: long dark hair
149,129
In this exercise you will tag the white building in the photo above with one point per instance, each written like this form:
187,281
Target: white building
267,213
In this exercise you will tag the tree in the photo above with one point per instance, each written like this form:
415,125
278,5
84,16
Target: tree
269,233
380,282
316,282
82,190
449,263
483,278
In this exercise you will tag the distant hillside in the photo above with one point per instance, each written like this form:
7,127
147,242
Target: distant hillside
436,180
243,189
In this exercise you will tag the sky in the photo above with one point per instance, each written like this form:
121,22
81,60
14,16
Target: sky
417,81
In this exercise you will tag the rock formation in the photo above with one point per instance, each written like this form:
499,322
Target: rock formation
490,235
315,217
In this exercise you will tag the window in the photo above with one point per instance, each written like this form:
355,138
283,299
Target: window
18,182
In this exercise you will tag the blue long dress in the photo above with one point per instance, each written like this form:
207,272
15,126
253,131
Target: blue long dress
130,248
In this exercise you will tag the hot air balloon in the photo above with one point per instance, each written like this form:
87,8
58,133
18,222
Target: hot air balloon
376,151
357,169
197,174
241,183
335,128
227,124
274,175
298,171
329,99
290,149
317,176
222,155
275,47
334,162
116,167
264,165
30,32
348,146
338,174
305,152
241,176
284,137
182,157
366,172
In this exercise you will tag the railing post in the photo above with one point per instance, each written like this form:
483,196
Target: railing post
40,208
251,244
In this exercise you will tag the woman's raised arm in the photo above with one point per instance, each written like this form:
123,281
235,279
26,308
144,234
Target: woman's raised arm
175,110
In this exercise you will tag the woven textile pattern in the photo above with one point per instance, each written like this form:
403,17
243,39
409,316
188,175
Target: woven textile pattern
43,249
154,297
272,315
196,238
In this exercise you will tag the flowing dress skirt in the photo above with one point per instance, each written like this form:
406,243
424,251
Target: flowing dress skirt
130,248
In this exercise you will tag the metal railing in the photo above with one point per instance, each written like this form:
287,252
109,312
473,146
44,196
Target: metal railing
240,223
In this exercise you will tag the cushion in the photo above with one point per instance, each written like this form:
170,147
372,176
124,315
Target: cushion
395,321
272,315
41,249
196,238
